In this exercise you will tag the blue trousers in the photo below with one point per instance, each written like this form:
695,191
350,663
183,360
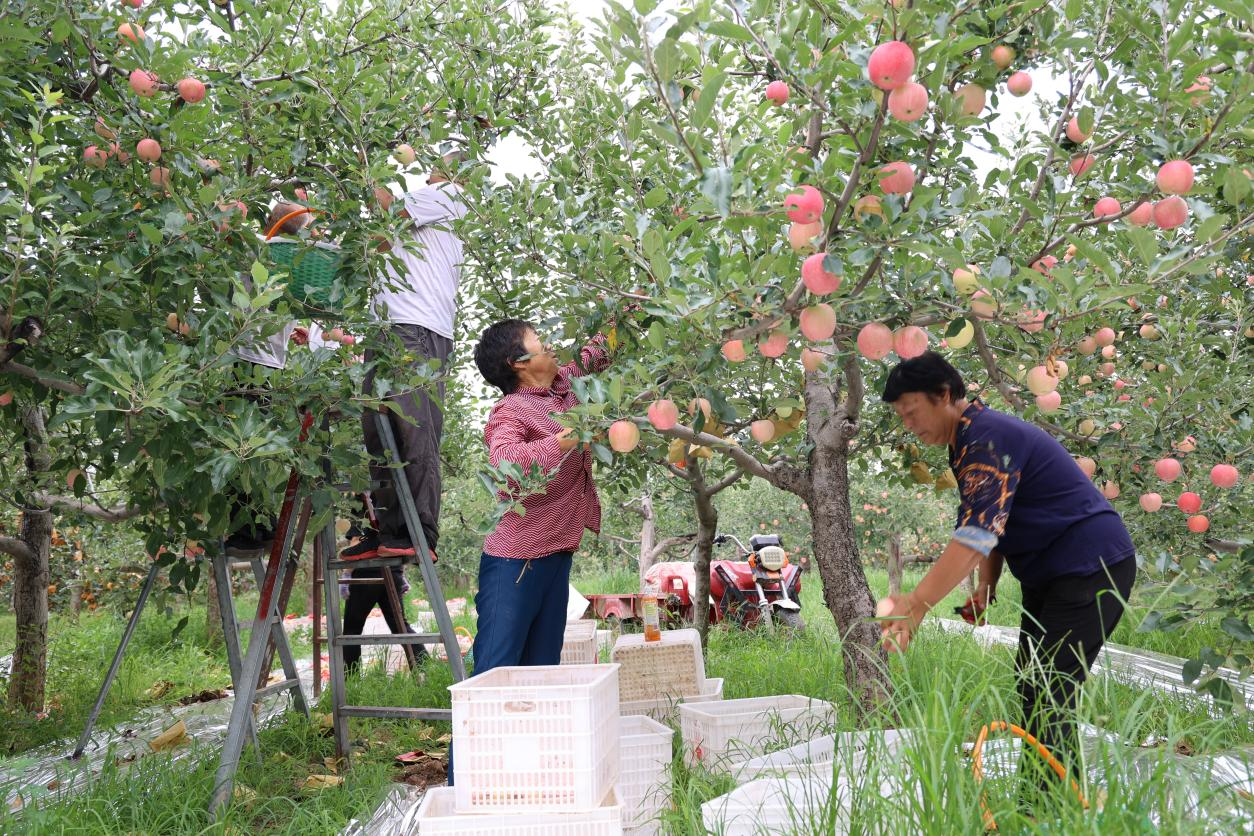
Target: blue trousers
521,607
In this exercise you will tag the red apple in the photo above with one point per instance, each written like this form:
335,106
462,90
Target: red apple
1198,524
897,178
1189,502
774,344
875,340
1074,133
804,205
971,98
143,83
908,102
1081,164
818,281
762,430
95,157
910,341
1170,212
734,351
818,322
1224,476
149,150
1175,177
1019,84
624,436
191,90
1106,208
663,414
891,64
1141,215
1002,56
1167,469
1049,402
777,93
1151,502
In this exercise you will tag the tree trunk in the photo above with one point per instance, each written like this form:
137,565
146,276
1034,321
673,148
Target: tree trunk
707,527
845,588
213,611
894,564
648,536
27,680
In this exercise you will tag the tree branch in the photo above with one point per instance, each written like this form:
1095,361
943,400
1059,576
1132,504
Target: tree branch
118,513
725,482
18,548
21,370
670,543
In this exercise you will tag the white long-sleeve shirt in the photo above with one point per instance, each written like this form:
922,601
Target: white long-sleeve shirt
426,292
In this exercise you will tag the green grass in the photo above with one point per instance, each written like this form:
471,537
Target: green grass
79,652
946,686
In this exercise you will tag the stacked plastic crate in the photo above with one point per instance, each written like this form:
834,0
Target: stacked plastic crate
536,751
655,677
579,642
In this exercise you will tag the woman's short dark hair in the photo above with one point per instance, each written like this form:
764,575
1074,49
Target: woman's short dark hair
500,345
928,373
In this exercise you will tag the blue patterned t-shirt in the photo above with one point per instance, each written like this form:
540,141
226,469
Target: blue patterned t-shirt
1020,486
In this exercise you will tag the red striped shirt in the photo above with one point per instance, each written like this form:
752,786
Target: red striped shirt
521,430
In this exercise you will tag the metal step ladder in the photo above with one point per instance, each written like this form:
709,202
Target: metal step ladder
337,640
221,566
255,665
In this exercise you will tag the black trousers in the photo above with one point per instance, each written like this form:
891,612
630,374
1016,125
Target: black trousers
1065,623
417,435
362,599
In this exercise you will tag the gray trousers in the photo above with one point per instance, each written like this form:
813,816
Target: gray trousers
417,435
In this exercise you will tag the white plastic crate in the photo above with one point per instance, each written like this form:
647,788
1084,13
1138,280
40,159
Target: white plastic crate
797,804
437,816
644,775
671,667
847,750
536,738
579,643
717,732
667,709
813,802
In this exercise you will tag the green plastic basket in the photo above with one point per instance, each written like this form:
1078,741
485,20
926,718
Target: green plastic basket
311,269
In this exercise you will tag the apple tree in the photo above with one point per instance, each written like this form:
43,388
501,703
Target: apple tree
143,146
795,196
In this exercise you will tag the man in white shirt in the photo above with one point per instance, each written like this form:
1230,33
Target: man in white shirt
418,308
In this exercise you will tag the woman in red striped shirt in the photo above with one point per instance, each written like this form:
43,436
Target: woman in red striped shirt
524,572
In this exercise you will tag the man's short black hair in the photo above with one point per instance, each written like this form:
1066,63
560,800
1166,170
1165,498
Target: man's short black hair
500,345
928,373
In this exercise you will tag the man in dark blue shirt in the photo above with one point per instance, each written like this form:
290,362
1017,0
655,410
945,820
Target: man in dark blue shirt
1026,502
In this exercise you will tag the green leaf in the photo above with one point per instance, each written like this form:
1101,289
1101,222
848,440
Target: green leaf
657,337
1074,8
1191,670
616,390
705,102
1085,118
666,58
259,272
727,29
1145,243
716,184
151,233
1237,628
603,453
1236,185
655,197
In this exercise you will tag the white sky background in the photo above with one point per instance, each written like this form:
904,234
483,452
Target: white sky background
512,155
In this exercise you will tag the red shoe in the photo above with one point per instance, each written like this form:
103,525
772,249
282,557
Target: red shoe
396,547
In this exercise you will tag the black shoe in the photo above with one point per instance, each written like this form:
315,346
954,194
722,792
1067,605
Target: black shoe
242,547
364,549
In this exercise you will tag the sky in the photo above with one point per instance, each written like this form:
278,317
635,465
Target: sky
513,156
